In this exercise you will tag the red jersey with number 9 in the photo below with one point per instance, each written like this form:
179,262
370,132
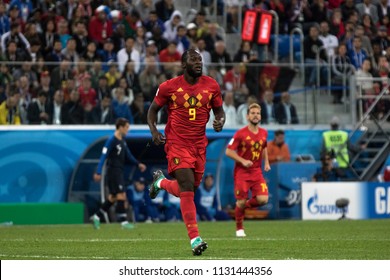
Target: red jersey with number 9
188,108
249,146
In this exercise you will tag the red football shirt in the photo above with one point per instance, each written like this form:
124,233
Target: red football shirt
188,108
249,146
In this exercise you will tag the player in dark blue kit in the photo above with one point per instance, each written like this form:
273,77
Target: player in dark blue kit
116,152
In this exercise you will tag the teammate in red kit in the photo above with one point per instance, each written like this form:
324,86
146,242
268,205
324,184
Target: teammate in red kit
189,99
248,148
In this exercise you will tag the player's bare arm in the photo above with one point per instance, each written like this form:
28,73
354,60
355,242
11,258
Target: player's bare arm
157,137
267,167
233,155
219,119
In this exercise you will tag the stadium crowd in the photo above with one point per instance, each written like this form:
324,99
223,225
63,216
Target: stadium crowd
90,62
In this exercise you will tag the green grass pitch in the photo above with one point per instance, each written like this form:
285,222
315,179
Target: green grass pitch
266,240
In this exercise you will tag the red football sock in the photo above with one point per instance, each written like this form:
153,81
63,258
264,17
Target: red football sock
171,186
251,203
239,214
188,212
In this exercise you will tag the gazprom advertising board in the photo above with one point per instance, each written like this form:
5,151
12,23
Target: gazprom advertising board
366,200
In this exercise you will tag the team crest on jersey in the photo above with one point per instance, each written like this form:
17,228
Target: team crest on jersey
176,160
192,101
256,145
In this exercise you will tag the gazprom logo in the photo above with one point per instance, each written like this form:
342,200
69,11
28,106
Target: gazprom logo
316,208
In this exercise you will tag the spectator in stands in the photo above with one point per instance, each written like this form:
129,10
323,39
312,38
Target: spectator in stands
298,12
49,37
229,108
243,109
212,37
102,113
37,111
327,172
268,108
129,53
70,51
383,9
336,25
17,36
107,54
81,36
60,74
54,56
4,20
118,37
88,97
100,27
140,40
170,59
370,29
31,32
90,53
192,34
234,80
72,111
67,87
121,106
130,81
285,111
367,8
44,85
329,41
183,43
357,55
382,38
153,21
113,74
9,109
149,78
25,97
161,42
26,70
278,150
144,7
102,88
150,51
366,41
311,45
55,107
164,9
365,83
341,69
63,32
131,21
171,26
139,109
206,56
243,53
348,8
221,57
206,201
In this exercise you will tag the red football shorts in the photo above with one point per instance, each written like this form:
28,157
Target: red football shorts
180,157
242,187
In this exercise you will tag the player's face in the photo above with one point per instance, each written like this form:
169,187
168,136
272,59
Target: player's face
125,129
254,116
194,64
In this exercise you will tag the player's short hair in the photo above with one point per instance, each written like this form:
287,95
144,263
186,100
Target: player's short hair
253,105
120,122
186,53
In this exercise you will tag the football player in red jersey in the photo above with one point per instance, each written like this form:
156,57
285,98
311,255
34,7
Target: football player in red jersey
189,99
248,148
